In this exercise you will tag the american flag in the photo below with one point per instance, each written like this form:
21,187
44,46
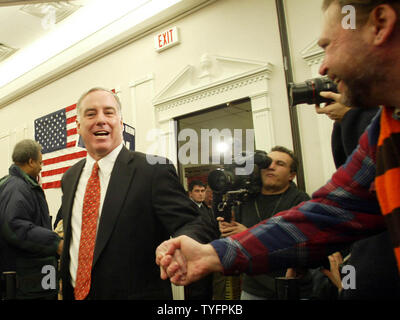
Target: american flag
57,134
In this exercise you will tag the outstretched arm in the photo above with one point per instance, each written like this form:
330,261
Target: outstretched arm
342,211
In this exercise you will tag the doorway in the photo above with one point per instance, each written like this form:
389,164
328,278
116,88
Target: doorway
207,139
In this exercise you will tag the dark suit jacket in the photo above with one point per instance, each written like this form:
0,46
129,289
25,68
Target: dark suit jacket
346,133
144,205
208,217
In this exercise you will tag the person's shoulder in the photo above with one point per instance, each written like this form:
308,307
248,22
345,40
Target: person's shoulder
15,186
300,194
73,168
149,159
303,196
77,165
12,182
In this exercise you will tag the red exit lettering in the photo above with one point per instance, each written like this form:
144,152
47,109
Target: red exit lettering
165,38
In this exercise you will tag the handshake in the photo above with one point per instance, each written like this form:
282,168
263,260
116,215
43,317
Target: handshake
185,260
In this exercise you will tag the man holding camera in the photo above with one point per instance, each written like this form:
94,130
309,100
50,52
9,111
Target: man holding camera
278,193
361,199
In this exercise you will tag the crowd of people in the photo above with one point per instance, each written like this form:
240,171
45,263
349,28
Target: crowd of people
359,205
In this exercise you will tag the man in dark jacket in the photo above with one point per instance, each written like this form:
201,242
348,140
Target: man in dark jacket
197,192
202,289
278,193
27,243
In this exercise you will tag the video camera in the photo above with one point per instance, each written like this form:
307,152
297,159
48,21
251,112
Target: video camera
231,189
308,91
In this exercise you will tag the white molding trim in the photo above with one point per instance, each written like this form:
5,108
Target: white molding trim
313,53
213,81
144,79
207,92
224,78
314,56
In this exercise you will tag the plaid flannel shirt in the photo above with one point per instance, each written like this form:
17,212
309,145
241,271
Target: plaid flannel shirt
344,210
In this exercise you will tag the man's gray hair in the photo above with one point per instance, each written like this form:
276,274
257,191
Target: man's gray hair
25,150
78,104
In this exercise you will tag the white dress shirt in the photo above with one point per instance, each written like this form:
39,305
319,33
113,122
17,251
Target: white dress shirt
106,165
199,204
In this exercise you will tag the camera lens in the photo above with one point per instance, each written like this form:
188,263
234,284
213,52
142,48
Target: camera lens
300,93
262,160
308,91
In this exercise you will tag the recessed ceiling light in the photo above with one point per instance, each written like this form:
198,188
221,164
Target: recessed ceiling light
60,10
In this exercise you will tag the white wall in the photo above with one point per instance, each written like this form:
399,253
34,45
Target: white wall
229,28
304,20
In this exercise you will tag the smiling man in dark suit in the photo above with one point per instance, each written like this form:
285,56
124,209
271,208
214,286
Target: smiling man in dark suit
116,209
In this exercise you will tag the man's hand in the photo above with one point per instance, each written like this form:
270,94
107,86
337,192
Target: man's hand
59,229
229,228
60,247
335,260
173,259
185,260
335,110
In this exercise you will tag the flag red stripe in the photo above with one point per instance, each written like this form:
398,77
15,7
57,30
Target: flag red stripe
71,119
50,185
54,172
76,155
70,132
71,144
70,108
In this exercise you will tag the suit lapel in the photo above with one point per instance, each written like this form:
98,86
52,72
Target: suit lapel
69,195
69,188
120,182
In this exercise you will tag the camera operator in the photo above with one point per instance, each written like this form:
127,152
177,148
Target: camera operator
278,192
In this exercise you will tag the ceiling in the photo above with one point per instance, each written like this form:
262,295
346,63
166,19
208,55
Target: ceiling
41,41
26,21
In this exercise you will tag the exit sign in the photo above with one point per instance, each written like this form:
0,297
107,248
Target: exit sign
166,39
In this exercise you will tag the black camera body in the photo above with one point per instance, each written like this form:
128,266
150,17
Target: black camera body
231,189
308,91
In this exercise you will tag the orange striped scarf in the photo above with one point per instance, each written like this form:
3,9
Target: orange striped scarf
388,175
